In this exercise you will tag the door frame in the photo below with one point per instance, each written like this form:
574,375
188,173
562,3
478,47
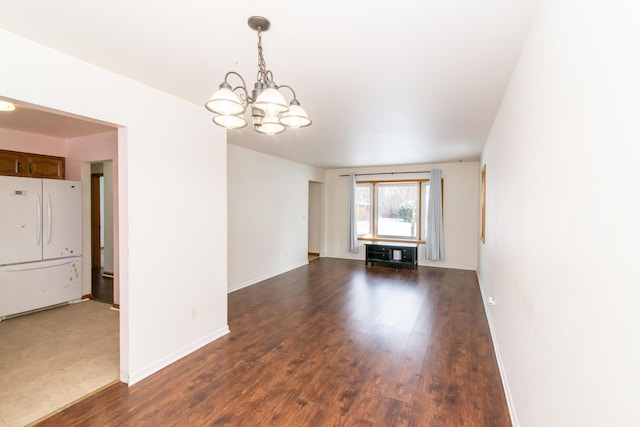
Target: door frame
96,207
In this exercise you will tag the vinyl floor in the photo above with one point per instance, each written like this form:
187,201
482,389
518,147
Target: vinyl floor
51,358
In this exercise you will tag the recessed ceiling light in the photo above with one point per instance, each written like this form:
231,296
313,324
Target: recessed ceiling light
6,106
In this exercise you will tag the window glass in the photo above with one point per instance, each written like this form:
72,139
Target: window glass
363,208
397,210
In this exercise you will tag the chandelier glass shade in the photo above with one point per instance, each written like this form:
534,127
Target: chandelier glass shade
270,125
225,102
230,121
270,112
271,101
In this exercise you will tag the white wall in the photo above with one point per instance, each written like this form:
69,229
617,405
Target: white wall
268,215
172,192
561,255
461,181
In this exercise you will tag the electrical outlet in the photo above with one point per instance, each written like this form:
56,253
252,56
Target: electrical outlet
491,301
193,313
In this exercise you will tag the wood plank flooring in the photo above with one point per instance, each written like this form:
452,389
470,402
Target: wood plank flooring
333,343
101,286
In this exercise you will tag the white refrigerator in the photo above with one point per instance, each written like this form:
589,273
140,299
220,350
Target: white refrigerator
40,243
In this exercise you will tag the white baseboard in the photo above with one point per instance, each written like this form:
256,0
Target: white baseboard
452,266
264,277
496,349
173,357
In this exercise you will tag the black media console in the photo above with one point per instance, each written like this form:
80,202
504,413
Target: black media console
393,254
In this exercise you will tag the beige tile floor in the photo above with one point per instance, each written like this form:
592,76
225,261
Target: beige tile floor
51,358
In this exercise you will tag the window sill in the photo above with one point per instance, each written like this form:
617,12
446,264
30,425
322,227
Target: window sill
390,239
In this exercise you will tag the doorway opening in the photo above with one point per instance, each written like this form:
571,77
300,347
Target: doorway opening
94,347
315,221
101,233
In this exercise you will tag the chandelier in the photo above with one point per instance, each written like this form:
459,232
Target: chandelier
269,109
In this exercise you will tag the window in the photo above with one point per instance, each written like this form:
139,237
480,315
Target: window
391,210
363,208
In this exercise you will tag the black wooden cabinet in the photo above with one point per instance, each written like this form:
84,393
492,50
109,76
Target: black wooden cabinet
393,254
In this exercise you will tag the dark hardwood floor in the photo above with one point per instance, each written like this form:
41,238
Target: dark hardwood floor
101,286
333,343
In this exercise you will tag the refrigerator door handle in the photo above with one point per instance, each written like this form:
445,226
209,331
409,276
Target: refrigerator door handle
38,219
48,218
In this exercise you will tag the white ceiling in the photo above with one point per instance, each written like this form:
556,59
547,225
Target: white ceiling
34,119
385,83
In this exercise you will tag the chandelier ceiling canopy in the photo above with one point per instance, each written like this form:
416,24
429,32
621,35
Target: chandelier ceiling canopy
270,112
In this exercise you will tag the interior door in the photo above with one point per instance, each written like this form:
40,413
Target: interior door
20,220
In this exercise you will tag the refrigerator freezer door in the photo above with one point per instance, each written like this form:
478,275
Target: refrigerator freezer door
20,219
61,218
36,285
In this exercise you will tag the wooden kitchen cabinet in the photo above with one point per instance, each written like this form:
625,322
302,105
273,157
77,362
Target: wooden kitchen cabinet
45,166
14,163
10,163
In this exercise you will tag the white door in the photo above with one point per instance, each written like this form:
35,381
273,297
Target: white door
20,220
62,218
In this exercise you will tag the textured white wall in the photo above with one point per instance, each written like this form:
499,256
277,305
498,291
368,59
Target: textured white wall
268,215
562,218
460,211
172,193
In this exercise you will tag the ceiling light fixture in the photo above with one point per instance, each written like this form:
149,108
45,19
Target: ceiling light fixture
6,106
269,109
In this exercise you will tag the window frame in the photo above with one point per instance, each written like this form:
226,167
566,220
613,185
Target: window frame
420,218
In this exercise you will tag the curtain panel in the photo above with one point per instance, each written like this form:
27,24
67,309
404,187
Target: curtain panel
435,235
353,220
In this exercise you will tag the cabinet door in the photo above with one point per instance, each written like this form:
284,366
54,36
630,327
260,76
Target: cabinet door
46,167
12,164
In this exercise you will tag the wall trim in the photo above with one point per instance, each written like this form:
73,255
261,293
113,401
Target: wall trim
265,277
451,266
173,357
496,349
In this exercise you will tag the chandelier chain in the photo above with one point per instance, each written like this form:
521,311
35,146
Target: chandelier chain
262,65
